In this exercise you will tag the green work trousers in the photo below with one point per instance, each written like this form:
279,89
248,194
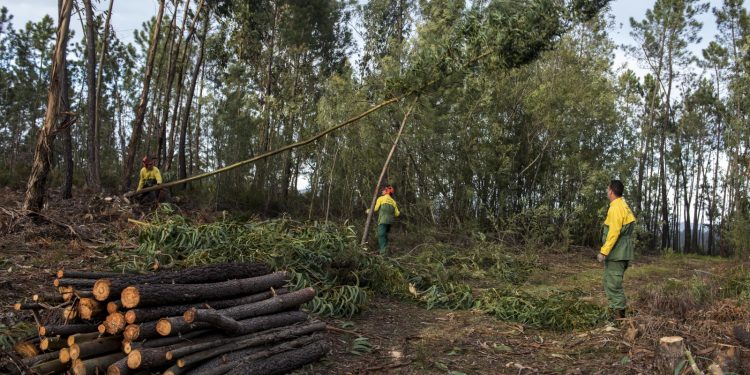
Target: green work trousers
383,230
614,270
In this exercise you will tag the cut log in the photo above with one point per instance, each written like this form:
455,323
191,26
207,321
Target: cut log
75,283
95,348
146,358
48,298
107,288
114,323
255,339
88,308
141,331
64,355
119,368
196,358
28,306
282,362
113,306
49,367
155,295
269,306
669,353
76,274
79,338
69,313
187,337
37,359
176,325
241,327
95,365
217,361
52,343
66,329
153,313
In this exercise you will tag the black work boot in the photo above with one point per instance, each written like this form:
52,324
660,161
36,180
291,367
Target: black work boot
619,313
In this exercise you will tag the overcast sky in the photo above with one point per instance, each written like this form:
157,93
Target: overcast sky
128,15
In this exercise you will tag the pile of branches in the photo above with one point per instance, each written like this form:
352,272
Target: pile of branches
228,318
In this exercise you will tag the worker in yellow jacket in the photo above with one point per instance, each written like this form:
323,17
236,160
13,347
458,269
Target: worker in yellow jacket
149,176
618,247
387,210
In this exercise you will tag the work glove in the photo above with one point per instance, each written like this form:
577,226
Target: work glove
601,257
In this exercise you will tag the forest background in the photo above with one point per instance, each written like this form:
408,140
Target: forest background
517,145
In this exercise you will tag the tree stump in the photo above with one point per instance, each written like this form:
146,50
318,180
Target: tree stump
669,353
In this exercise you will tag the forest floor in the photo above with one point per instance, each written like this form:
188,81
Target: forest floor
669,295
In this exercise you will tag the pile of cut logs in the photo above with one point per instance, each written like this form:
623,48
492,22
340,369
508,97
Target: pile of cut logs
231,318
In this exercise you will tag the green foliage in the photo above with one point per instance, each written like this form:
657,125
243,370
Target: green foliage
557,311
10,335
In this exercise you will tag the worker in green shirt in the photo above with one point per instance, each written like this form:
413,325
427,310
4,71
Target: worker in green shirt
387,210
618,247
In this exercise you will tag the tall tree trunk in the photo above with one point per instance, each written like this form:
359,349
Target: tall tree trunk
98,95
371,212
188,103
265,129
171,66
67,186
92,144
141,110
195,155
37,184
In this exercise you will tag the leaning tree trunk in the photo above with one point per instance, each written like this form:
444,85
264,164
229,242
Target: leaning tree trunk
141,110
37,184
92,146
370,213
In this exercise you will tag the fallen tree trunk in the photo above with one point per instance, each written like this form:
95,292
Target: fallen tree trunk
80,338
66,329
78,274
95,348
75,283
152,313
35,360
284,361
53,366
155,295
255,339
95,365
107,288
268,306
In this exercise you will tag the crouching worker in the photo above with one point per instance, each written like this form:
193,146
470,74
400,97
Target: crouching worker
148,177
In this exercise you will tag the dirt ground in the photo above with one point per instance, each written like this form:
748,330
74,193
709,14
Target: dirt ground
402,337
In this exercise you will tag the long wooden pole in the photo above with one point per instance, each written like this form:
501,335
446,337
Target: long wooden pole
322,134
370,212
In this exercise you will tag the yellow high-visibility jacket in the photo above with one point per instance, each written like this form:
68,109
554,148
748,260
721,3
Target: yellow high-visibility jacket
146,175
618,228
387,209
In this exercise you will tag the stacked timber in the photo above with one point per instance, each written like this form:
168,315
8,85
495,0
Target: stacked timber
231,318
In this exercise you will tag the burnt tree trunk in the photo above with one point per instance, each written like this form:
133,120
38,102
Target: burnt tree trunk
37,184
